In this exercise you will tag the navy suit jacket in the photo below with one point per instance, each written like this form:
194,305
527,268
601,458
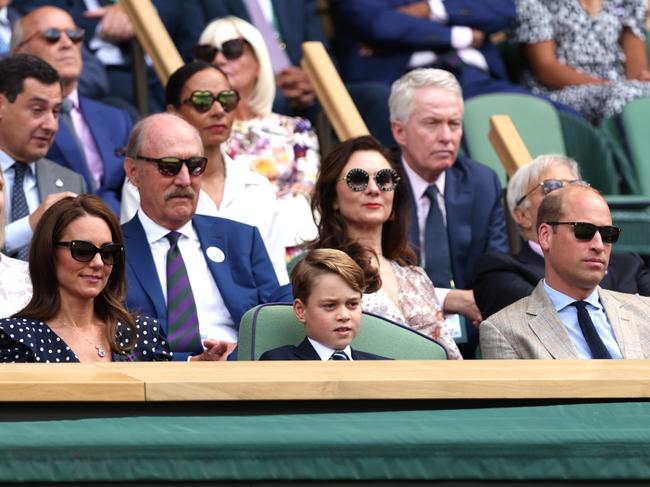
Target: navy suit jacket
110,128
393,36
475,218
245,278
305,351
502,279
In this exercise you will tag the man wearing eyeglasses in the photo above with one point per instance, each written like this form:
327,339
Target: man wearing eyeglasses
92,135
568,316
503,278
198,274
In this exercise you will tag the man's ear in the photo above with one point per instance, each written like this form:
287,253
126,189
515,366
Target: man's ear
170,108
299,310
521,216
545,236
3,105
397,128
131,170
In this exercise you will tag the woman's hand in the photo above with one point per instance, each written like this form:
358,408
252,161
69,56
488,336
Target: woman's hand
215,350
461,301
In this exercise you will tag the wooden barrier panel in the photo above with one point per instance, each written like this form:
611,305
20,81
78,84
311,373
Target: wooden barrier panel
331,92
508,144
153,37
298,380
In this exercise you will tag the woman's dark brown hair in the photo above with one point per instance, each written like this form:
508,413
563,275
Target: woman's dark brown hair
46,301
332,227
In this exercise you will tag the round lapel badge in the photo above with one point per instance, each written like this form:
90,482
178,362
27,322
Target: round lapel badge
215,254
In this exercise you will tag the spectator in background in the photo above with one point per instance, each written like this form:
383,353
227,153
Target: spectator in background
8,16
92,135
15,285
30,102
201,94
197,274
284,149
501,279
365,212
289,23
590,55
109,33
77,313
455,201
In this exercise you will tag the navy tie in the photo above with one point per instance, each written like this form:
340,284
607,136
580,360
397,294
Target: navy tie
436,243
595,343
19,208
339,355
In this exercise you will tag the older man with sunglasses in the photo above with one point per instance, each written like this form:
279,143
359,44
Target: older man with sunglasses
501,278
568,316
92,135
198,274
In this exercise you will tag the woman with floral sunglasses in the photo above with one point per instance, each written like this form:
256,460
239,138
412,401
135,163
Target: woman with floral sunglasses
365,212
282,148
76,312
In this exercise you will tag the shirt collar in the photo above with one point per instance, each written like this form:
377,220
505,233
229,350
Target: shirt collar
6,161
156,232
4,16
535,247
326,352
419,184
74,98
561,300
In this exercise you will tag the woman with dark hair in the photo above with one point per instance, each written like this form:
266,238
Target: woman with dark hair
364,211
201,94
76,313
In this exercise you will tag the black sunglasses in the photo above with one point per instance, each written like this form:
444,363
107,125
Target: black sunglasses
171,166
202,100
549,185
52,35
83,251
357,179
586,231
231,50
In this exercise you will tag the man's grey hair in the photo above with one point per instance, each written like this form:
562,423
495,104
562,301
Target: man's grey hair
140,129
529,175
401,100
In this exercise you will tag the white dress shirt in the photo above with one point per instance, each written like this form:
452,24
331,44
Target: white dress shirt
248,197
325,353
18,233
214,318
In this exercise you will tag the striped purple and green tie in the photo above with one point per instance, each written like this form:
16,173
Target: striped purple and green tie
182,320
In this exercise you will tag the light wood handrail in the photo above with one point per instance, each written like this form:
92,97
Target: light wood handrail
153,37
508,144
331,92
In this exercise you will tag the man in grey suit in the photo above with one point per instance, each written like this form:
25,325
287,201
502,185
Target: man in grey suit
568,316
30,101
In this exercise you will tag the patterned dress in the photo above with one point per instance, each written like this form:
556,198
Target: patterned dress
27,340
286,151
590,45
418,306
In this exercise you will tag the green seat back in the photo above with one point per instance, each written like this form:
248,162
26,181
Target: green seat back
635,120
612,137
536,121
269,326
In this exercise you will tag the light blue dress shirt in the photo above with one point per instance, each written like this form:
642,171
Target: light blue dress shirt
569,316
18,233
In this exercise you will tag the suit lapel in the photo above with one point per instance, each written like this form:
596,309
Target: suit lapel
141,261
210,235
624,327
92,113
458,199
67,145
545,323
305,351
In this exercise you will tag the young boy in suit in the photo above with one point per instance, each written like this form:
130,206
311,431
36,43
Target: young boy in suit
327,286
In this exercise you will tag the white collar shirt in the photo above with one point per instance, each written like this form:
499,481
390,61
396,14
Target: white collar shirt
325,353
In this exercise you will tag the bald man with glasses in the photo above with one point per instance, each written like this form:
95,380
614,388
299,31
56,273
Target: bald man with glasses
568,315
500,279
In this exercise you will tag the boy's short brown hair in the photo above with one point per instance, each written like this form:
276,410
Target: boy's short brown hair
318,262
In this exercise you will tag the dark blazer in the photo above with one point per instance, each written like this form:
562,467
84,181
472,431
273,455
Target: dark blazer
475,219
305,351
110,128
501,279
245,278
375,40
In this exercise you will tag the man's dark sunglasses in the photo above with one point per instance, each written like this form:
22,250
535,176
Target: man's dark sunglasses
585,231
202,100
171,166
84,251
549,185
231,50
357,179
52,35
